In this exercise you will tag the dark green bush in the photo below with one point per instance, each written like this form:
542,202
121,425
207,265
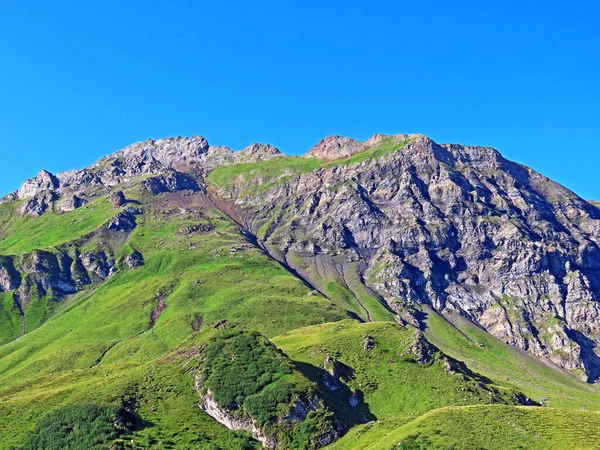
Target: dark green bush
78,427
246,373
244,370
415,442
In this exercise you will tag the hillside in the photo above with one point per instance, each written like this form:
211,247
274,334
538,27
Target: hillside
391,293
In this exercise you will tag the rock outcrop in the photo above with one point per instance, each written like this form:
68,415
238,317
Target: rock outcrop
134,259
37,205
56,274
52,273
170,181
257,152
44,181
124,221
456,227
117,199
70,202
451,226
225,418
10,278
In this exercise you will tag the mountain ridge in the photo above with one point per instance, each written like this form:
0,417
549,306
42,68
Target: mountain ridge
357,259
462,180
177,150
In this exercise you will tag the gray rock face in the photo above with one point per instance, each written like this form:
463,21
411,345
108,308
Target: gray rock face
166,158
455,227
162,157
452,226
144,158
10,278
257,152
170,181
44,181
169,152
37,205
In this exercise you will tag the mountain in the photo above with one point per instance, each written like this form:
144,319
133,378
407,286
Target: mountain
369,294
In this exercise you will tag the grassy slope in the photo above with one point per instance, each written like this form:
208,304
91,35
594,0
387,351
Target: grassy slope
165,400
261,176
20,235
481,427
205,280
345,289
23,234
10,320
197,275
491,427
393,384
101,347
508,366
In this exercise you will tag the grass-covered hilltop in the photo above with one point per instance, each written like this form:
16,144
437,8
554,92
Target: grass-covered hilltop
386,294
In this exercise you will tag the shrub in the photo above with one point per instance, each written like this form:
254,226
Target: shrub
78,427
244,370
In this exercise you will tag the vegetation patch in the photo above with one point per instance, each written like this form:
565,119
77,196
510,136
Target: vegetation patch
387,145
240,366
79,427
391,367
261,176
23,234
268,172
249,377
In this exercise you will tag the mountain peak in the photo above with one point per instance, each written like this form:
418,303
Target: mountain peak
257,152
335,147
338,147
44,180
169,151
352,257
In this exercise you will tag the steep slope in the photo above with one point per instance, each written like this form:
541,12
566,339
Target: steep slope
481,427
149,281
409,400
105,343
458,228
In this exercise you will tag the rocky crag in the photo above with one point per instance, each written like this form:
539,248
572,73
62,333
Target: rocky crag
400,220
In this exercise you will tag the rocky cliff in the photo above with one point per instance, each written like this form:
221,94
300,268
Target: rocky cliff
451,226
401,218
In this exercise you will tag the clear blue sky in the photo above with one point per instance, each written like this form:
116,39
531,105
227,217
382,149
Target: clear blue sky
79,80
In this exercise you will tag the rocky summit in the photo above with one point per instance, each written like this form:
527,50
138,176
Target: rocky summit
368,289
